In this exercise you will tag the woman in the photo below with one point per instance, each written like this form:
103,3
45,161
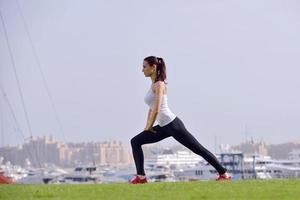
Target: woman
168,123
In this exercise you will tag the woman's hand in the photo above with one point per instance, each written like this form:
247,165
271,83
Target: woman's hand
151,129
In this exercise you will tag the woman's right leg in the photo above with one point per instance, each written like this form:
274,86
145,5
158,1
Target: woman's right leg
182,135
145,137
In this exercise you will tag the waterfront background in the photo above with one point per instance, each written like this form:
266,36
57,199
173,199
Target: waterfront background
72,88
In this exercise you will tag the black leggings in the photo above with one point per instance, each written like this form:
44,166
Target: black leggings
176,129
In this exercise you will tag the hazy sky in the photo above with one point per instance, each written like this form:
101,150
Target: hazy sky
233,68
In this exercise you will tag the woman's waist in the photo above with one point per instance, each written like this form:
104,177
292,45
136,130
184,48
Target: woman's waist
162,110
163,113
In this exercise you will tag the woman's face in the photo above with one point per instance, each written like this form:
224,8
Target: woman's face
147,69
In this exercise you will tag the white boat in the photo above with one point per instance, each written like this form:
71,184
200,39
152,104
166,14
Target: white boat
14,172
249,167
83,175
168,157
42,175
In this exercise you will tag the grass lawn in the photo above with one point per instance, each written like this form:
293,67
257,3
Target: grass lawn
245,189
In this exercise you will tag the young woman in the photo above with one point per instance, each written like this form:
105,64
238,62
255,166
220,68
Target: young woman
168,123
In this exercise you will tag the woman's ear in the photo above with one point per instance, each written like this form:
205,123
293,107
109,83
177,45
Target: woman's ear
155,66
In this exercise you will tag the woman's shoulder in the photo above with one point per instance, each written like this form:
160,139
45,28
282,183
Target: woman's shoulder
159,84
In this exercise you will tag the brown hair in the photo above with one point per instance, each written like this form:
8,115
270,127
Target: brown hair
161,74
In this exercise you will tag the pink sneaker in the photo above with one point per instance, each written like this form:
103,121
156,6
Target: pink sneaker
223,178
137,180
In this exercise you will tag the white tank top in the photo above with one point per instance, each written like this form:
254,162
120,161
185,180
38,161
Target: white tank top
165,115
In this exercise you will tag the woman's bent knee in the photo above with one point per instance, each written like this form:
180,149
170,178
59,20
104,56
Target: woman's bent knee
134,141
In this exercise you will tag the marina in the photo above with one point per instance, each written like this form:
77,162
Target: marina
165,167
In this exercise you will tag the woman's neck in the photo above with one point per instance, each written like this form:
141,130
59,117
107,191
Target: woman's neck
153,78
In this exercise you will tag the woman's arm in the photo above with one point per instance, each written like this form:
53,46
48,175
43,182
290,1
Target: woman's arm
159,90
148,117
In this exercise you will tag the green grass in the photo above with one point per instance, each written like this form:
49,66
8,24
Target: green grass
246,189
